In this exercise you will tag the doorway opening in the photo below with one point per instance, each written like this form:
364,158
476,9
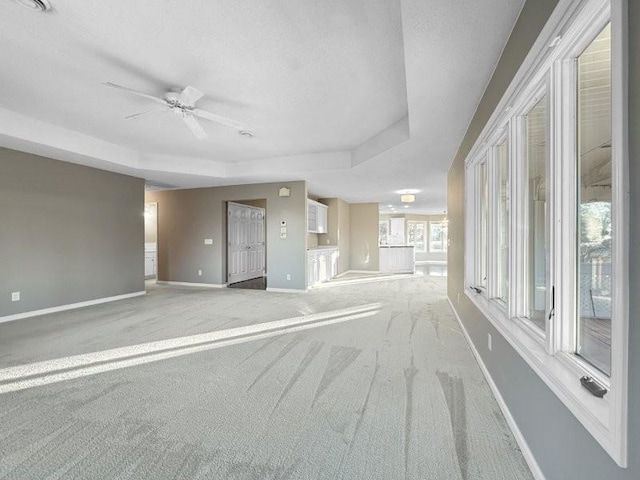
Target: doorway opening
246,244
151,241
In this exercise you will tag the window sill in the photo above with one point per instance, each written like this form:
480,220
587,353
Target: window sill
561,373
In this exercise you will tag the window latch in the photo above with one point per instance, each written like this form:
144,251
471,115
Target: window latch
553,303
596,389
475,289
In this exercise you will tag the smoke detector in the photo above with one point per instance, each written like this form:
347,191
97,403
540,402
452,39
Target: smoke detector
37,5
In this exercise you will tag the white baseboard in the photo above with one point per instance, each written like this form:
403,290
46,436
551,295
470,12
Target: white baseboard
285,290
71,306
372,272
191,284
522,443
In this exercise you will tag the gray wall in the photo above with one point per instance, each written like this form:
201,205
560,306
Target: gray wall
187,217
363,225
68,233
338,230
562,447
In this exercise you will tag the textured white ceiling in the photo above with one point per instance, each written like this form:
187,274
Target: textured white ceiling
327,86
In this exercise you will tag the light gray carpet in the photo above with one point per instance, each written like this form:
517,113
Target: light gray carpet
394,393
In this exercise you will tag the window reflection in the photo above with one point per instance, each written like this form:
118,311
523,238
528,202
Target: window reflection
536,125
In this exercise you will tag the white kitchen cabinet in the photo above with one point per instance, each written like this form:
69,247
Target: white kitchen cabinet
317,214
397,259
150,259
322,265
150,264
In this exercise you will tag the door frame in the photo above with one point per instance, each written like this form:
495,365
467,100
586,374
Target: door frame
155,260
264,237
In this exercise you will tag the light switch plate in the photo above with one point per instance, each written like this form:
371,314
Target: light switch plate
15,296
208,241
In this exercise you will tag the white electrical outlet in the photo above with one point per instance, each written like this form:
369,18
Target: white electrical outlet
489,341
15,296
199,273
288,276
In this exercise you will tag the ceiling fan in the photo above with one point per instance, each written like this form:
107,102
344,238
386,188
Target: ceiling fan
182,102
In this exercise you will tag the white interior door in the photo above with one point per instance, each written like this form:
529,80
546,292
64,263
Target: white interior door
245,245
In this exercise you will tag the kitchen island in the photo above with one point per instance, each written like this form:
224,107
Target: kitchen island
397,259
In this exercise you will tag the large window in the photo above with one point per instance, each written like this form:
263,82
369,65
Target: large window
503,220
546,212
416,235
383,232
438,236
594,214
536,126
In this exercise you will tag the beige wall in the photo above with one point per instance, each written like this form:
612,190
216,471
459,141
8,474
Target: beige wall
420,256
338,230
312,240
363,229
68,233
186,217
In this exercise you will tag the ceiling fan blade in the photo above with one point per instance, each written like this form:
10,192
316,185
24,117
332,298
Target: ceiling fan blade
135,92
190,95
218,118
194,126
136,115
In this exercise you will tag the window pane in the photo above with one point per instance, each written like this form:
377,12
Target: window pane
594,202
484,223
384,232
503,221
536,124
415,234
437,237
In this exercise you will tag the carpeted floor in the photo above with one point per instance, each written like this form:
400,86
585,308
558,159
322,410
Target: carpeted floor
364,381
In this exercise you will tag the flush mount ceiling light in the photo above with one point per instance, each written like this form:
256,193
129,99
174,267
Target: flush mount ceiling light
246,133
38,5
408,195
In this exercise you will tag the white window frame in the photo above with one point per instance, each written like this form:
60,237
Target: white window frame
571,28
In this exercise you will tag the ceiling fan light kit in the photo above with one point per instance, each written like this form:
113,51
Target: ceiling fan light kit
37,5
408,198
182,102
